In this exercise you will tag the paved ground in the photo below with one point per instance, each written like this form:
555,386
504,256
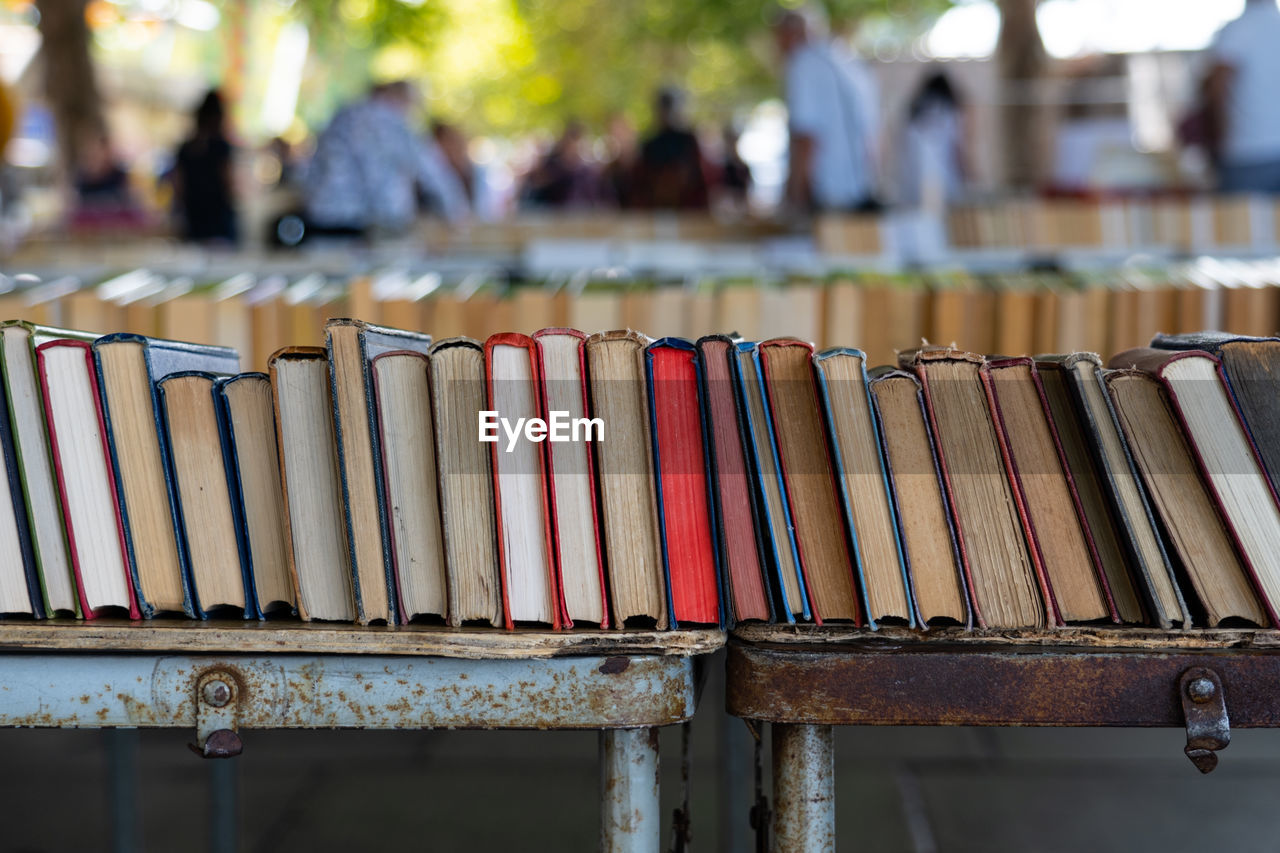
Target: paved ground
910,790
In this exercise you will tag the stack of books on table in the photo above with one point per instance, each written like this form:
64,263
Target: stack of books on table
611,480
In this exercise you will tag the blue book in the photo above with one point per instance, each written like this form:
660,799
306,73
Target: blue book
867,502
791,599
129,367
204,509
246,429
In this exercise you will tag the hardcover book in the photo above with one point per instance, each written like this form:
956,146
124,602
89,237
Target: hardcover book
529,589
351,344
742,558
684,508
129,370
82,464
1193,523
1000,574
628,499
924,516
822,543
864,486
562,363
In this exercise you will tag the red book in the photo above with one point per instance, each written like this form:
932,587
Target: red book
86,477
571,479
684,508
731,492
530,589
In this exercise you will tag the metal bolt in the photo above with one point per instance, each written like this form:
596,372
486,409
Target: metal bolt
1201,690
217,693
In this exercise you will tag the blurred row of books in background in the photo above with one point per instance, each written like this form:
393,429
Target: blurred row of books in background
1013,313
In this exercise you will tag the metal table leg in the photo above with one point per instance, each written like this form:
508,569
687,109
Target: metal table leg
804,789
630,820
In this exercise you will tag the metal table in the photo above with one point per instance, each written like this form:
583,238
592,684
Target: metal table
804,680
221,678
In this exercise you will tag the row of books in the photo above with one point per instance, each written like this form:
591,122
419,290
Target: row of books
1014,313
561,479
1179,223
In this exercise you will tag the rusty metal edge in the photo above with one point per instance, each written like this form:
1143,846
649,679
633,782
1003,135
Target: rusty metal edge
941,685
213,637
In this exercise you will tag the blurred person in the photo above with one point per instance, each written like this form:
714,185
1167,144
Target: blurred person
733,182
369,166
832,116
563,177
623,151
203,185
452,144
101,180
280,149
933,151
670,172
1243,113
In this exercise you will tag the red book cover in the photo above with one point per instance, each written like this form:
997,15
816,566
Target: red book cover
683,500
502,470
732,486
551,454
72,546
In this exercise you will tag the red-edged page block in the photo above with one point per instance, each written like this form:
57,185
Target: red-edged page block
682,468
524,342
89,613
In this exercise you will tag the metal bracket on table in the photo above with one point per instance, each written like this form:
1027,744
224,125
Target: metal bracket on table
1205,709
218,697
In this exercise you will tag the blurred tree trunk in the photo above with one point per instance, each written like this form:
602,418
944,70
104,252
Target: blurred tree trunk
1022,67
69,80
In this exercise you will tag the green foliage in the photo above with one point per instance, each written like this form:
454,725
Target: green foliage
512,66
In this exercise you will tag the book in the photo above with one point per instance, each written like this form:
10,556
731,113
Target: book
1061,381
402,392
575,537
1045,494
129,368
809,479
1191,520
993,553
466,482
624,460
864,486
33,460
685,515
351,344
20,589
210,537
82,465
922,512
248,436
1252,368
774,527
529,588
1227,459
742,559
319,559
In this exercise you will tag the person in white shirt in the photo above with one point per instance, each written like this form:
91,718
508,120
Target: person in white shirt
1243,103
832,116
369,166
